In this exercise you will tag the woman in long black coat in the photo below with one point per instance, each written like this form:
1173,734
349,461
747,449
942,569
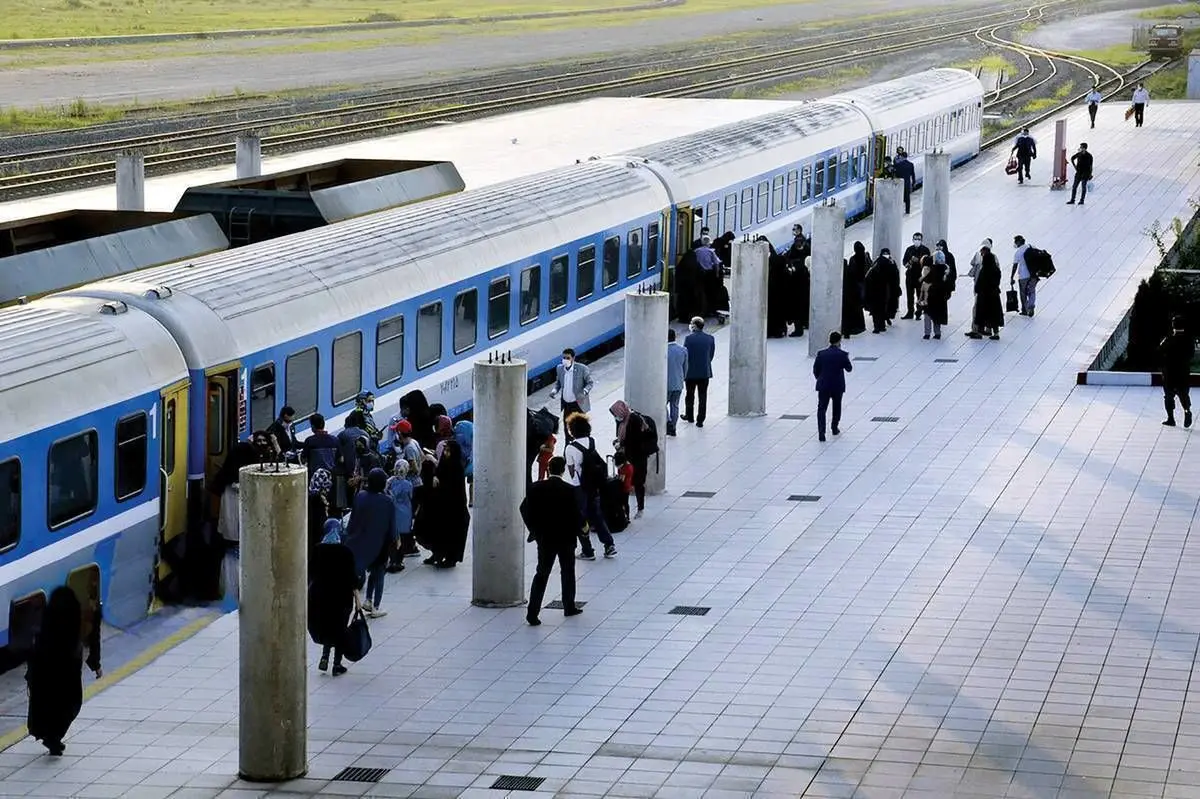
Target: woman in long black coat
989,310
54,673
449,517
854,275
332,598
777,286
877,291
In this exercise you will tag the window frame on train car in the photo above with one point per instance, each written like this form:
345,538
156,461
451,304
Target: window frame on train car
778,185
844,168
335,371
630,261
118,470
501,302
731,211
10,516
585,255
831,173
436,305
762,201
654,245
254,373
394,340
610,248
535,283
712,215
470,328
793,189
863,162
302,411
818,179
563,261
52,521
746,210
806,183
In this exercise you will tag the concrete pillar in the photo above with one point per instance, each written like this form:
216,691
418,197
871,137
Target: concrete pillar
272,623
1193,75
498,545
249,155
1059,180
935,198
748,329
888,218
647,319
131,182
828,252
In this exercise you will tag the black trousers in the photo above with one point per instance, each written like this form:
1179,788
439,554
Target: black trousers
1183,391
910,298
641,466
1092,112
1080,183
1139,112
1023,167
907,196
548,551
824,400
568,408
695,387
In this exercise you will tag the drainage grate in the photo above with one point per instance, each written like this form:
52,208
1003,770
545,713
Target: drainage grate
558,605
359,774
795,417
700,494
945,360
885,418
509,783
688,610
867,358
803,498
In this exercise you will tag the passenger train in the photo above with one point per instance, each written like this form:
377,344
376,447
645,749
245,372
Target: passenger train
121,399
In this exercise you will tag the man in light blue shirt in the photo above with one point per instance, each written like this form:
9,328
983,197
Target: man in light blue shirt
677,364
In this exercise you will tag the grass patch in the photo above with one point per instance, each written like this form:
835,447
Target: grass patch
1171,12
78,114
1117,56
1046,103
989,63
816,82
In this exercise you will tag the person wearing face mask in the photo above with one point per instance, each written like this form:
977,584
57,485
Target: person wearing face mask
365,402
573,382
912,274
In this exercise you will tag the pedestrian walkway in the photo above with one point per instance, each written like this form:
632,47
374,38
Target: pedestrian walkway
985,587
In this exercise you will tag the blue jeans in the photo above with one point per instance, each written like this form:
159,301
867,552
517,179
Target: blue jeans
590,508
673,408
375,577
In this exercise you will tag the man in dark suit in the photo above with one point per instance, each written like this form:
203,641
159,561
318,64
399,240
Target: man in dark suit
829,368
1082,161
701,347
904,169
551,512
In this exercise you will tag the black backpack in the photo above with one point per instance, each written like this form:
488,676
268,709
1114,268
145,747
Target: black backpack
649,434
593,471
1040,263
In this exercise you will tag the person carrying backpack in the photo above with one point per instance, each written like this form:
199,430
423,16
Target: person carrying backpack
637,439
587,471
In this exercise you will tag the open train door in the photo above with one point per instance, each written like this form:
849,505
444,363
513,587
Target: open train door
172,486
222,422
879,151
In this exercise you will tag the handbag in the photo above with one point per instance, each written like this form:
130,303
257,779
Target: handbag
1129,112
1012,167
356,640
1011,302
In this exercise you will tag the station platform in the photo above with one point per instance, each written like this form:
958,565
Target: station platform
984,587
485,151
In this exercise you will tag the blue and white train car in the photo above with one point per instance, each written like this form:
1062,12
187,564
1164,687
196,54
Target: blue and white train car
88,443
403,300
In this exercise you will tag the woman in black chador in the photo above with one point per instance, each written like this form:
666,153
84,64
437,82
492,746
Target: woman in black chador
854,278
55,668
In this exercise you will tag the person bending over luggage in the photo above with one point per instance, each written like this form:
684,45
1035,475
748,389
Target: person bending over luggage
630,441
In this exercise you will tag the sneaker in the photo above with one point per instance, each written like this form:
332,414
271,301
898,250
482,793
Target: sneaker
926,337
937,336
533,621
1169,423
1187,418
699,424
586,556
376,613
338,670
638,515
834,430
575,611
609,552
368,608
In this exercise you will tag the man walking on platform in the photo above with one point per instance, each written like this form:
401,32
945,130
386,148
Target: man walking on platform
1141,99
552,516
1082,161
701,348
1026,150
1177,350
574,382
904,169
829,368
677,364
1093,103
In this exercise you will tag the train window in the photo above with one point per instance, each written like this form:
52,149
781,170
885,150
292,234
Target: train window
747,214
610,274
10,503
389,351
777,196
634,253
73,474
300,382
262,396
585,272
347,367
712,217
531,294
132,447
429,335
731,206
169,437
793,188
466,320
764,200
844,169
652,246
558,283
806,184
818,179
862,162
499,307
831,167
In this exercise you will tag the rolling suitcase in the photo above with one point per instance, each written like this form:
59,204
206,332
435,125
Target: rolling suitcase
613,503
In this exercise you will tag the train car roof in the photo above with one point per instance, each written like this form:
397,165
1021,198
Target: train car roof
915,96
231,304
63,357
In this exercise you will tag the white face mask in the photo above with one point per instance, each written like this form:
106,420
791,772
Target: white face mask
567,363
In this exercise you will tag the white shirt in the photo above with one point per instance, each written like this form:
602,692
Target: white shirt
1094,97
1019,260
574,458
568,383
1141,96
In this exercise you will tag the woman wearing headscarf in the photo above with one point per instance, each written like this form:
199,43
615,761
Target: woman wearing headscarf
371,537
464,434
778,279
415,408
989,310
54,673
933,295
332,597
629,441
319,487
449,517
400,490
854,275
877,292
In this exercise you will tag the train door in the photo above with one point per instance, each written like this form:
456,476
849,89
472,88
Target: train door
679,243
879,151
172,479
221,423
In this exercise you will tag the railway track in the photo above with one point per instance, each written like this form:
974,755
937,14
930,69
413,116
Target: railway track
459,103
